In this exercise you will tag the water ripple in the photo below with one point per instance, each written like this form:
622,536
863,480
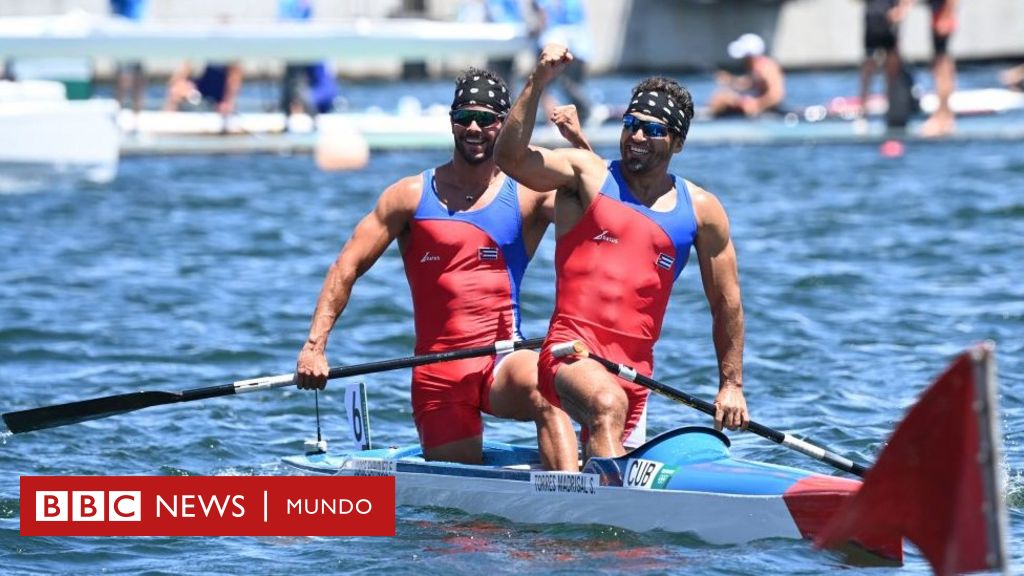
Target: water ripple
862,277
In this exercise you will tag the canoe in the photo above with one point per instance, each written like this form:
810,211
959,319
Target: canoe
937,485
938,482
682,481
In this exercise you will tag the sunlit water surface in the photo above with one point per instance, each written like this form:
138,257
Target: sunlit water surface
862,277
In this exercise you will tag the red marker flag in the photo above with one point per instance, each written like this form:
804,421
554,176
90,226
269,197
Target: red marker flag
937,482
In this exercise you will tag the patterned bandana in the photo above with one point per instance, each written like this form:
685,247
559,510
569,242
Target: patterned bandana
662,107
481,91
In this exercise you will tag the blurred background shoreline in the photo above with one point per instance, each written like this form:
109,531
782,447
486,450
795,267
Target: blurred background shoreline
628,35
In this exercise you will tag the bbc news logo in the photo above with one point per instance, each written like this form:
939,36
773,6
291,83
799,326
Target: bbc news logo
89,506
207,506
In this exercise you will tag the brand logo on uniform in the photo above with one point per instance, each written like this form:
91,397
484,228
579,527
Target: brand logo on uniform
488,253
604,236
428,257
665,261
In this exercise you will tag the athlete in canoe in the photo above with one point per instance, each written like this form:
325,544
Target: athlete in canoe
624,231
466,232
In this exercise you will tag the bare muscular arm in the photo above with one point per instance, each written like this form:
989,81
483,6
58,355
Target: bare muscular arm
533,166
539,209
717,257
389,219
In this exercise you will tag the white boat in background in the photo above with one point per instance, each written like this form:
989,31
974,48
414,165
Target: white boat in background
415,127
41,131
976,102
84,35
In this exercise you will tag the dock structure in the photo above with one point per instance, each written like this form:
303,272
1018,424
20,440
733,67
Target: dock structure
634,34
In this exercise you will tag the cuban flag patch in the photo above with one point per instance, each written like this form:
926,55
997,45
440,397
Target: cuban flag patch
488,253
665,261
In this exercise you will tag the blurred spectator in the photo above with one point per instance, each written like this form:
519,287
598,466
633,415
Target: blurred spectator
504,12
130,75
942,121
564,22
217,86
500,12
760,90
308,88
1013,78
881,41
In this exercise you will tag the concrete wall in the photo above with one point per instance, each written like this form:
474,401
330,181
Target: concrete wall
830,32
634,34
800,33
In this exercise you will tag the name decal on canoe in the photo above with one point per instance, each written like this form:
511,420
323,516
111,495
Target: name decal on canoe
370,467
565,482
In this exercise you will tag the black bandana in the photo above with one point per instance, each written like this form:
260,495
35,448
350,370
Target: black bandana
660,106
481,91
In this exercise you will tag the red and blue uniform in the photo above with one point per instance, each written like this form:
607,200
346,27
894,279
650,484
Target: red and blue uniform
615,270
464,271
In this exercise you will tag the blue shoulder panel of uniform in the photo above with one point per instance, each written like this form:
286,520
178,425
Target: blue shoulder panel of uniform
680,223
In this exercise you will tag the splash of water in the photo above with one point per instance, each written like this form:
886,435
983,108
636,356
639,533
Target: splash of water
1014,482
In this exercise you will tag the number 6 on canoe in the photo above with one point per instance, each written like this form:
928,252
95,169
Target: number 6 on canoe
577,348
96,408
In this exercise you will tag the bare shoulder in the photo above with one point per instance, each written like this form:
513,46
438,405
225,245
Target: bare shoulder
586,160
402,195
591,172
707,208
773,65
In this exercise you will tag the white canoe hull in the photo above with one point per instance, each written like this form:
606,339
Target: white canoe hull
682,481
714,518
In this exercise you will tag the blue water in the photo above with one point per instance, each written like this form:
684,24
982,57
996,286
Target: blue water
862,277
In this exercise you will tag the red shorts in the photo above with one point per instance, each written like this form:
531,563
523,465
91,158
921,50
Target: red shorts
548,365
448,397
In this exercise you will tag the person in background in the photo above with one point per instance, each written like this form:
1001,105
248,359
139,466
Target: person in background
306,88
130,75
217,86
466,233
623,233
565,22
762,89
881,38
1013,78
942,122
504,12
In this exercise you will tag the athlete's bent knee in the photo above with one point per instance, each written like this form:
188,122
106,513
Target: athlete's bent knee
608,404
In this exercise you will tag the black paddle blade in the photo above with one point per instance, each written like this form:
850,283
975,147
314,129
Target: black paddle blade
74,412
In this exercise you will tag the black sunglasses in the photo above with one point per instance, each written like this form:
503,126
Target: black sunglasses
483,118
651,129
